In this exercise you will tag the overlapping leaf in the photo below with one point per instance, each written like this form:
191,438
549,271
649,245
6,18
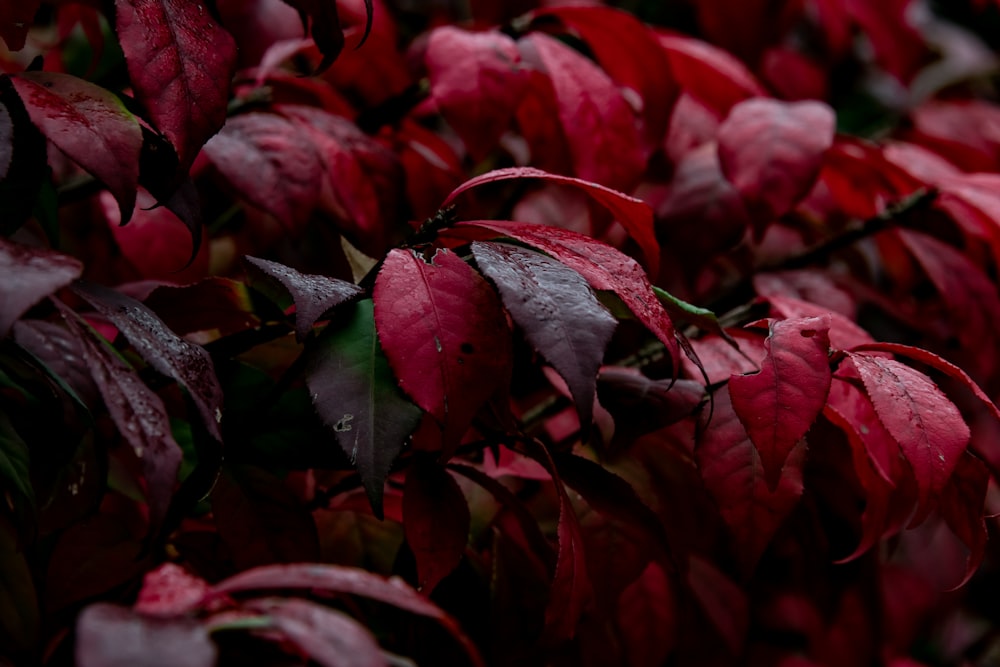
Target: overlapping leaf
436,521
708,73
107,634
326,30
30,275
560,316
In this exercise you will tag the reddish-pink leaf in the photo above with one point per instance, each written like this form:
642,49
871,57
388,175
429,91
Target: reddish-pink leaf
476,83
646,618
779,404
109,635
170,591
90,125
600,126
327,636
272,163
855,410
633,214
30,275
733,473
313,295
187,363
180,62
772,151
554,306
844,332
708,73
445,335
436,520
961,506
928,427
15,20
604,268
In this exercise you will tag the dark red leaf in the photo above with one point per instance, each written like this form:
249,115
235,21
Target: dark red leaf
633,214
272,163
90,125
445,335
779,404
19,612
180,62
855,410
170,591
15,20
708,73
734,475
476,83
928,427
724,602
772,151
720,359
326,29
646,616
214,303
313,295
30,275
640,405
600,126
844,332
108,635
961,506
6,141
355,394
327,636
185,362
560,316
604,268
436,519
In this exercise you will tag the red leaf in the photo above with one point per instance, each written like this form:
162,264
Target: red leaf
476,83
708,73
646,616
961,506
436,520
779,404
560,316
30,275
326,29
15,21
107,634
313,295
844,332
327,636
180,62
170,591
633,214
928,427
723,602
599,124
187,363
772,151
604,268
856,411
90,125
734,475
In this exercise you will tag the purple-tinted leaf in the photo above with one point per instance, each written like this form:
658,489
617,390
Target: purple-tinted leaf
30,275
90,125
185,362
445,335
329,637
180,62
60,351
111,636
554,306
355,394
6,141
640,405
436,520
326,30
313,295
778,404
139,415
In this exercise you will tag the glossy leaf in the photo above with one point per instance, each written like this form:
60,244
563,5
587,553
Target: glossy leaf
445,335
560,316
779,404
180,62
187,363
355,394
633,214
313,295
107,634
30,275
436,520
90,125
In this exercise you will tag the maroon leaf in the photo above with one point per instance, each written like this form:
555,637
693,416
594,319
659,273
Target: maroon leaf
734,475
633,214
928,427
599,125
272,163
326,30
109,635
855,410
476,83
313,295
185,362
6,142
961,506
180,62
15,20
724,602
327,636
772,151
646,616
779,404
640,405
436,519
604,268
444,333
30,275
560,316
170,591
708,73
90,125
